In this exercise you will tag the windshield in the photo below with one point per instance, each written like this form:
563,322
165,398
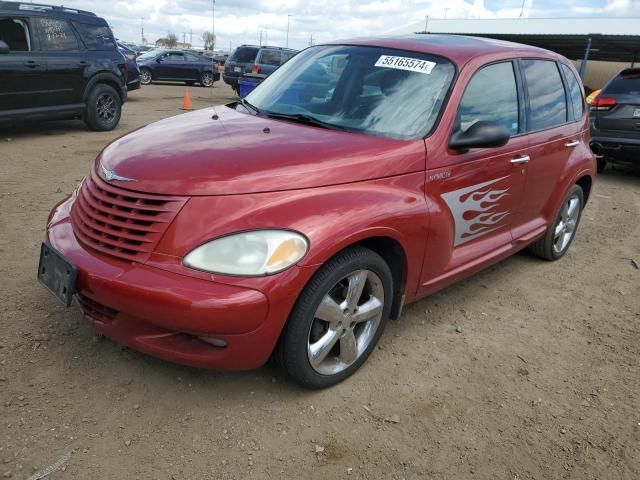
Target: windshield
378,91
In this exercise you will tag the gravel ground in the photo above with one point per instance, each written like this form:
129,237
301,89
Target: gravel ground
528,370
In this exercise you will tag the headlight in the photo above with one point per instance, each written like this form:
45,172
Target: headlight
259,252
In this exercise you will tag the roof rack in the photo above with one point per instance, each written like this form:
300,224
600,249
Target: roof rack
38,7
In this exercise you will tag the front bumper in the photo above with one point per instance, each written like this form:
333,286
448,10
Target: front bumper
166,314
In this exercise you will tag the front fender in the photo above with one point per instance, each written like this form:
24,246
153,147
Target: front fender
332,218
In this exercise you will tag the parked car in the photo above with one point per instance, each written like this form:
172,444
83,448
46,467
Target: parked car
297,221
133,72
59,63
254,59
176,65
615,119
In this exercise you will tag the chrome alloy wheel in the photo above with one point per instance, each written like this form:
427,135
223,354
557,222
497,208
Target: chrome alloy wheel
566,224
106,108
145,77
345,322
207,79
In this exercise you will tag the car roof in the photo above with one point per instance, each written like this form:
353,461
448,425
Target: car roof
459,48
37,9
272,47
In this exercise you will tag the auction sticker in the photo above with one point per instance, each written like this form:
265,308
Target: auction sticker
405,63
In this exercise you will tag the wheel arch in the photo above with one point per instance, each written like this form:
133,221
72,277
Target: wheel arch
107,79
392,252
586,183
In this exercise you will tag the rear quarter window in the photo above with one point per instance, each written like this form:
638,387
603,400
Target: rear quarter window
271,57
95,37
244,55
575,92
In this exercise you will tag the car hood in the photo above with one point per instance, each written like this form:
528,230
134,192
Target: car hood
221,151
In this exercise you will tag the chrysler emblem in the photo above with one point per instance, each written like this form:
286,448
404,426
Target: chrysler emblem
110,175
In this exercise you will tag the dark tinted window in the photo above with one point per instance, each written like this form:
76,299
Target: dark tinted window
575,92
244,54
626,82
96,37
547,102
271,57
56,35
15,33
173,57
491,95
287,55
194,58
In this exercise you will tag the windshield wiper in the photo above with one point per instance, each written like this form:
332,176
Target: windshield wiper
306,119
248,106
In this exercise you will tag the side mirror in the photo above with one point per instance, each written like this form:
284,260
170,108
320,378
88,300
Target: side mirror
159,60
482,134
4,48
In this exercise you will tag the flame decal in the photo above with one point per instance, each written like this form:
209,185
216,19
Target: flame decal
476,210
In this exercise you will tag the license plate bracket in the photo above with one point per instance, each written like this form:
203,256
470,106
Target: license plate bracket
237,69
57,274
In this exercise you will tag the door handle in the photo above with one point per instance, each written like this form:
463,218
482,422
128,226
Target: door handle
572,144
521,160
83,63
31,64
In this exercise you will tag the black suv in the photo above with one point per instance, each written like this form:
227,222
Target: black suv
615,119
59,63
254,59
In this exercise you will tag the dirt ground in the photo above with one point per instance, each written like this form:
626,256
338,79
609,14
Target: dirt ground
542,380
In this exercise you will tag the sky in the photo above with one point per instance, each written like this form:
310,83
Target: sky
242,21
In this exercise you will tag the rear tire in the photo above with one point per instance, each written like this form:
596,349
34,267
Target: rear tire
206,79
602,164
337,320
560,234
104,108
146,76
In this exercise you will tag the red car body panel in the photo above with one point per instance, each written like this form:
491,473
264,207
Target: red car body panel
241,172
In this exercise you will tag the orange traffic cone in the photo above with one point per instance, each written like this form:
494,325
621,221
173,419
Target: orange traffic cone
186,101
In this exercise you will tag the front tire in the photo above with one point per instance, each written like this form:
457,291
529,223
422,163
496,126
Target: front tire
104,108
337,320
560,234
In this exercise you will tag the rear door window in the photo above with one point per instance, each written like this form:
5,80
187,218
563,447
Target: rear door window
547,99
95,37
491,95
575,92
245,55
15,33
270,57
56,35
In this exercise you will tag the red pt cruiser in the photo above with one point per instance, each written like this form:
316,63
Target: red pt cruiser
358,177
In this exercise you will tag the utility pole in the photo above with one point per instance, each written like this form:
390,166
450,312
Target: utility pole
288,18
426,24
311,40
213,24
260,37
522,9
184,39
142,30
191,37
